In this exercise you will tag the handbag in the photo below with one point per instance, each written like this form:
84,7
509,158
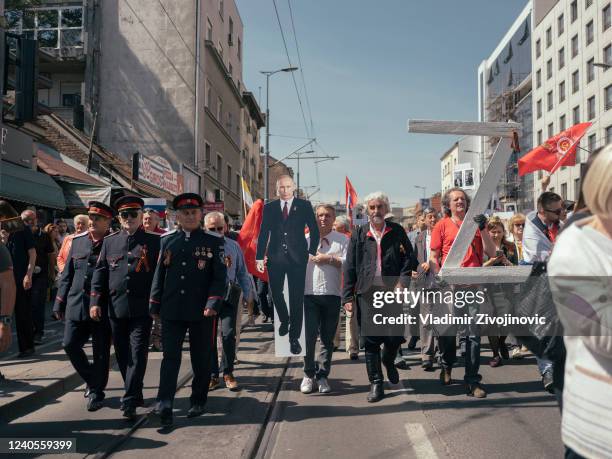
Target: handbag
232,294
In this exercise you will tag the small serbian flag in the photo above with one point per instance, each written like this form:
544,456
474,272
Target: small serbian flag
557,151
351,198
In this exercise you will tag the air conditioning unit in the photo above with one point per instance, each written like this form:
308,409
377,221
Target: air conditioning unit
219,195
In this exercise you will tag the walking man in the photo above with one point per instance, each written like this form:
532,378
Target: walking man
123,276
322,299
72,303
379,259
187,294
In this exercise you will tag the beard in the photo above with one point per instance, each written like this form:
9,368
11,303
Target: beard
376,218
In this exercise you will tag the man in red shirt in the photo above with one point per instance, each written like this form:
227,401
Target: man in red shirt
442,237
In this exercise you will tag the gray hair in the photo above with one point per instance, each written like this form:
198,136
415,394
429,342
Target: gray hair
214,214
80,217
377,196
342,220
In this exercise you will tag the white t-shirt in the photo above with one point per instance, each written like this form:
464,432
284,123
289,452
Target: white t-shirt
324,278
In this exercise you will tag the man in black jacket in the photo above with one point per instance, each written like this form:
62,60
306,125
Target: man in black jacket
379,259
124,274
72,302
283,242
187,293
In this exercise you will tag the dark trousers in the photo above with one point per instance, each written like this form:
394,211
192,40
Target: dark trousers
38,300
262,294
131,342
321,314
227,316
201,337
296,277
24,323
76,334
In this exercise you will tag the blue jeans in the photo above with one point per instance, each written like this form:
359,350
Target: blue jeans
544,365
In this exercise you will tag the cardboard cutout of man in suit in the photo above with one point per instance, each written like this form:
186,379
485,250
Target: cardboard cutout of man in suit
283,249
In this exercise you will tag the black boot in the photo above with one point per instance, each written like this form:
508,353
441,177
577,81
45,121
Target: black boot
374,368
388,359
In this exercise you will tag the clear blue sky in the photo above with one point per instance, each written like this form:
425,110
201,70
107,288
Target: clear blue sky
369,66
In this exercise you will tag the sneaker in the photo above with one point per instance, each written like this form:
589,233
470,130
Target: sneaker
230,382
354,356
476,390
519,352
323,385
307,385
427,365
214,383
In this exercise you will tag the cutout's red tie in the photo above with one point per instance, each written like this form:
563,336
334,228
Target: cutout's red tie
285,212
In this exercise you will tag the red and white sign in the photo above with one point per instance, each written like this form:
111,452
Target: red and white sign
158,172
214,206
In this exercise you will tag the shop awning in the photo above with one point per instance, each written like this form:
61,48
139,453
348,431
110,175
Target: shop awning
29,186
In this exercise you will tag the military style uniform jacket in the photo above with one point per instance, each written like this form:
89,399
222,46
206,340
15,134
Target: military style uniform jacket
190,275
124,273
397,260
73,293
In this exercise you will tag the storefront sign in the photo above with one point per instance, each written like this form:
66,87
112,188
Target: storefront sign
214,206
17,147
158,172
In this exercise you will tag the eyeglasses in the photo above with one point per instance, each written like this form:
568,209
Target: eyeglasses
218,229
555,211
129,213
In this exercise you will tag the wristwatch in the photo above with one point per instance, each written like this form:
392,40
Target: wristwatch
6,320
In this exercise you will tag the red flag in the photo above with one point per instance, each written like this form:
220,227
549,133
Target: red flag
247,238
557,151
351,198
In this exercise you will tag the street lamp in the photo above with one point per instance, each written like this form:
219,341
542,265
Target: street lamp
268,74
424,190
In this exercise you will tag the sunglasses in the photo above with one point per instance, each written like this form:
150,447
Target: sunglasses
218,229
128,213
556,211
97,218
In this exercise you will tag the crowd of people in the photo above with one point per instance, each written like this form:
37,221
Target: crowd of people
143,288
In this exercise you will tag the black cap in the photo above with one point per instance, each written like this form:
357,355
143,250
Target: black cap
129,203
99,208
187,201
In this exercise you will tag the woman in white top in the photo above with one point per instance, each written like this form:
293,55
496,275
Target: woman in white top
580,270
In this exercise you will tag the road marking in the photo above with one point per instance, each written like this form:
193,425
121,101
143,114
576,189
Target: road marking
423,449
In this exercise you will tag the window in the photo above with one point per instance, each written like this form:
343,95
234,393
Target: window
575,82
209,30
219,168
576,188
576,114
589,33
574,46
208,95
562,91
230,37
574,11
592,143
587,3
562,124
239,49
549,101
551,130
52,27
538,78
207,155
540,137
591,108
607,56
238,184
606,19
219,109
561,58
229,176
548,37
539,108
608,97
609,135
221,8
564,191
538,47
549,68
70,94
590,69
560,24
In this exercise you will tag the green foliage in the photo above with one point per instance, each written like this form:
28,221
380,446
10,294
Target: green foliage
20,5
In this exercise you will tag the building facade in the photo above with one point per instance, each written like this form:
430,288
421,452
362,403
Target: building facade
570,37
460,166
504,93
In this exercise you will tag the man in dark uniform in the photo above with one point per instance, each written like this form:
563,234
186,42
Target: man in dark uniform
124,275
282,240
379,259
72,303
188,290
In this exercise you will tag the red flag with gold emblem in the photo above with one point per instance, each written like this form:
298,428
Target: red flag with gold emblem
559,150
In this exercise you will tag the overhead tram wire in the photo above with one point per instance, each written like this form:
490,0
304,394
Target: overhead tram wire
297,48
291,65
